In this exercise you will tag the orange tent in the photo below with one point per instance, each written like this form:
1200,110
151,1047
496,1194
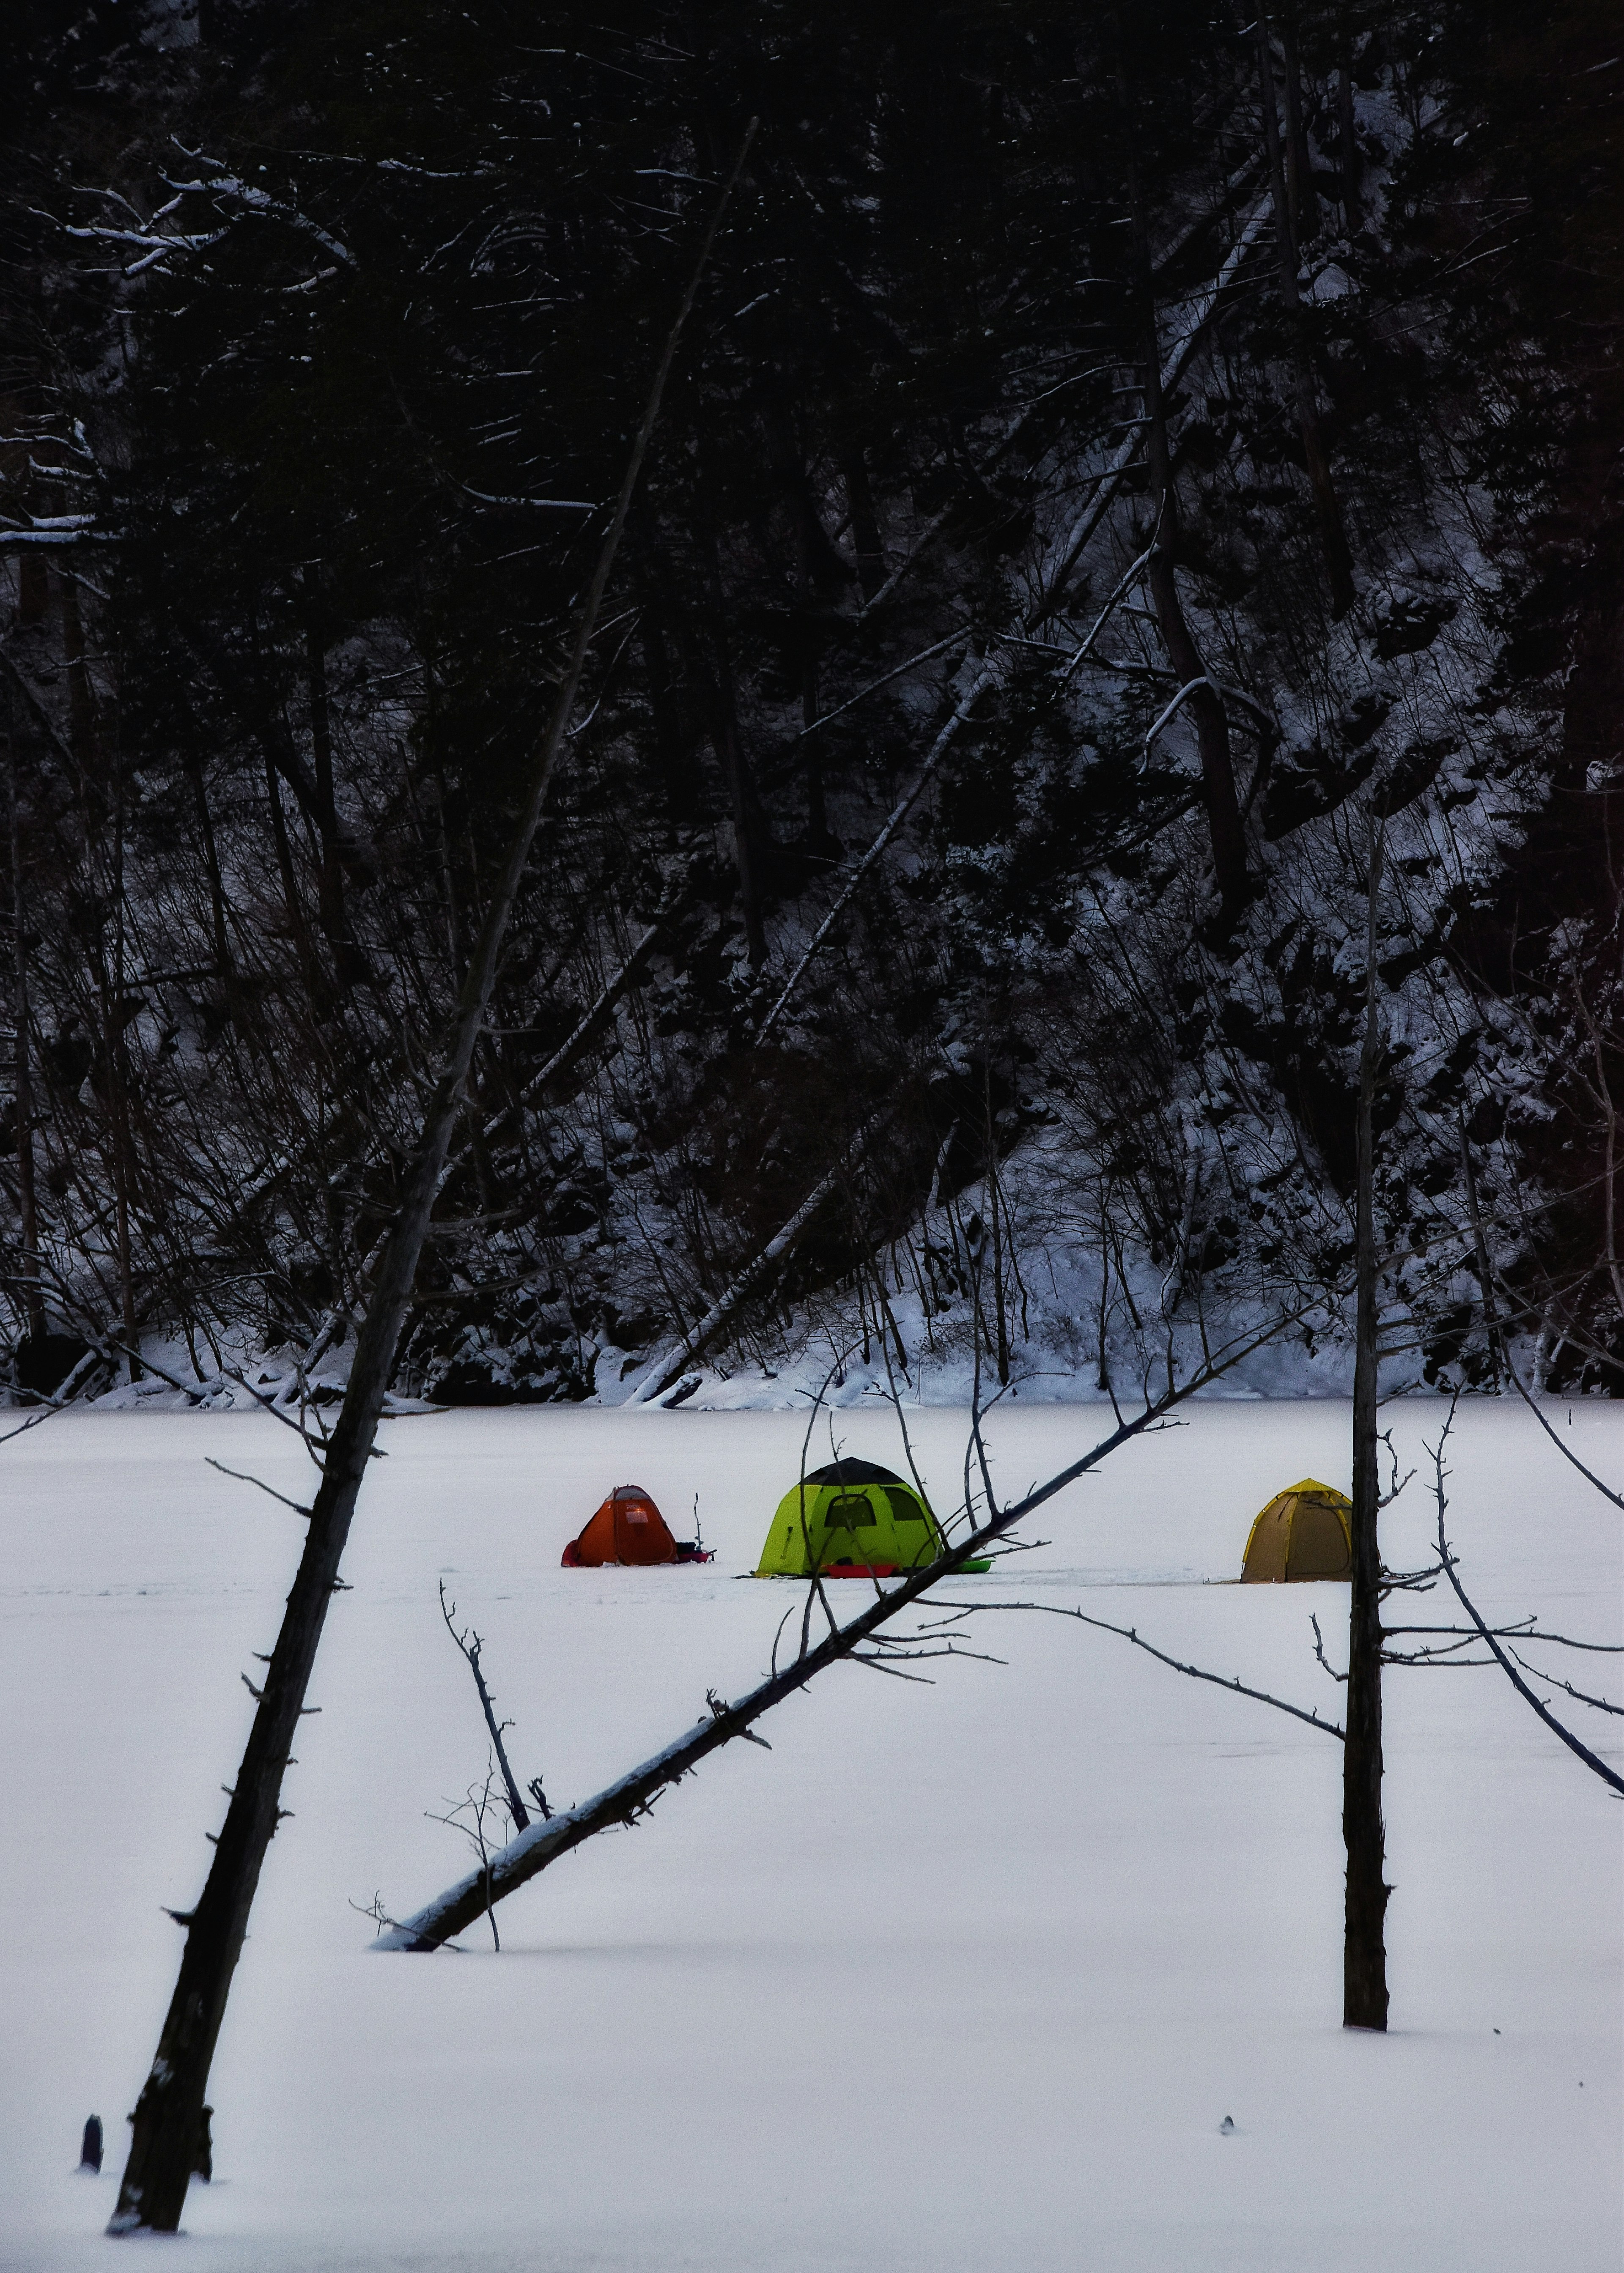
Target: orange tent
627,1528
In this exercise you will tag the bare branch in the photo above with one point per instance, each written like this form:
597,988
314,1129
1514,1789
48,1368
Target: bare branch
631,1795
470,1645
244,1477
1196,1672
1582,1751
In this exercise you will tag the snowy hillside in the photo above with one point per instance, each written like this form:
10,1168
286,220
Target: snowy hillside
1106,496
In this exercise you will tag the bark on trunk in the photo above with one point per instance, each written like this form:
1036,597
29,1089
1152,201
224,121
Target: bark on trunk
81,694
865,522
33,1296
115,1058
330,873
211,860
299,931
1364,1957
1299,166
1223,815
170,2109
672,752
749,823
1349,164
817,810
1327,507
33,586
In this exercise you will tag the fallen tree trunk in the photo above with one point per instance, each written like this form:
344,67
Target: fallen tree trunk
632,1795
665,1368
1051,586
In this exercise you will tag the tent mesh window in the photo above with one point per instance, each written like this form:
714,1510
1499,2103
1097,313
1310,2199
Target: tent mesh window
849,1510
905,1508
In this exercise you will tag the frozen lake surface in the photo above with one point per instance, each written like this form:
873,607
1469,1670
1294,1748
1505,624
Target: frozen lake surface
956,1976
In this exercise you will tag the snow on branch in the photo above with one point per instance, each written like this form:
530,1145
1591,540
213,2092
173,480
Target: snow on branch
234,201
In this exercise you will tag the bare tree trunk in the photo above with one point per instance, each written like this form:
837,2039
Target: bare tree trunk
1299,167
81,696
211,859
670,744
1350,165
1327,509
116,1062
298,930
817,810
32,1297
169,2113
865,522
330,876
994,1211
1223,813
32,586
749,823
1364,1957
663,1372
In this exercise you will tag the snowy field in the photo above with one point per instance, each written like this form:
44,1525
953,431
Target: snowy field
960,1976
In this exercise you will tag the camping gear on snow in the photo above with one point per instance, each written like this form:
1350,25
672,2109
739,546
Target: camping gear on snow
856,1521
629,1528
1303,1533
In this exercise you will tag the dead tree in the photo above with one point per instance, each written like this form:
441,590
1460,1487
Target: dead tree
1349,166
863,1640
167,2114
1196,688
1494,1639
1327,506
1365,1960
32,1302
472,1646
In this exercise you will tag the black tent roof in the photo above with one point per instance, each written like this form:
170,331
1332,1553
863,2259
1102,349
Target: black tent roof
853,1472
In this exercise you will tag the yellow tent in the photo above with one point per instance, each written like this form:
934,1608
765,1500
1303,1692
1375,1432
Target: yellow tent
1303,1533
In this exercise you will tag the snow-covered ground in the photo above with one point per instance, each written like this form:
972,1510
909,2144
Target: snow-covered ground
959,1976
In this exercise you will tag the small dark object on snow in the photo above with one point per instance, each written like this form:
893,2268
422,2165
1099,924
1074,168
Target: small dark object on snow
203,2162
90,2153
45,1361
1226,2128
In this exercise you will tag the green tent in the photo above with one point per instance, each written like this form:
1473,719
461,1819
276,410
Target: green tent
851,1520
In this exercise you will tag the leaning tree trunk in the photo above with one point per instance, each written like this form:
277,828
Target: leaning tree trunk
1365,1955
1346,127
1327,506
1223,813
169,2115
